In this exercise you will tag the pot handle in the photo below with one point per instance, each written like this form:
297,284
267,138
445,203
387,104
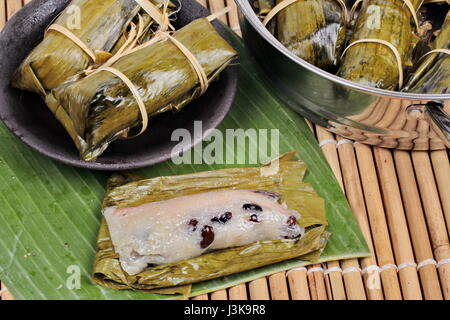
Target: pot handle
440,120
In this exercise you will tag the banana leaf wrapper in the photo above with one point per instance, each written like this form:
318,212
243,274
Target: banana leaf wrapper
433,74
100,108
314,30
374,64
126,191
101,25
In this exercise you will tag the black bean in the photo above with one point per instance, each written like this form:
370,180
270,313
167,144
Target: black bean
292,221
207,236
223,218
254,218
252,207
193,223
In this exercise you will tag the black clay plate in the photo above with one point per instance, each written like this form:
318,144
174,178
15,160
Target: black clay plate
26,115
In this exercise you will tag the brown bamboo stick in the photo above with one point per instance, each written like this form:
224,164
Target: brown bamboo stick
441,170
298,285
355,198
434,216
12,6
278,286
353,280
258,289
219,295
417,225
238,292
316,282
2,14
335,284
217,5
203,3
233,17
398,228
377,219
5,294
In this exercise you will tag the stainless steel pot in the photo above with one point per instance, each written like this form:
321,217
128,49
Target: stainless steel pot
379,117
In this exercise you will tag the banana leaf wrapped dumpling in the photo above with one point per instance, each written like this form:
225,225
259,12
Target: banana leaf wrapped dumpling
101,108
129,197
99,25
433,74
373,63
313,30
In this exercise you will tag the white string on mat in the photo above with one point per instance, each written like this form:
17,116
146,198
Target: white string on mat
351,270
343,141
426,263
296,269
333,269
327,141
372,267
406,265
387,267
442,262
315,269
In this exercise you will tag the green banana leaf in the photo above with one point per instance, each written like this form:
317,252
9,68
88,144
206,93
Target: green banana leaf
50,212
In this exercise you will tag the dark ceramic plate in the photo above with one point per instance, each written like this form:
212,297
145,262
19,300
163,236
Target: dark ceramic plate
26,115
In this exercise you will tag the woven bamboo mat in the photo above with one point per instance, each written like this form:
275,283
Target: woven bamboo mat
402,202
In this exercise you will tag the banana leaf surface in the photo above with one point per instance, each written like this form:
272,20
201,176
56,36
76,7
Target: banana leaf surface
433,74
100,108
374,64
51,213
99,24
313,30
286,179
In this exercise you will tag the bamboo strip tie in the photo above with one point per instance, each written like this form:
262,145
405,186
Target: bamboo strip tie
401,242
441,170
417,225
238,292
434,216
278,286
219,295
355,198
258,289
378,222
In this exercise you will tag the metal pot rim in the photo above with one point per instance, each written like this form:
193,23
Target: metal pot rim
253,19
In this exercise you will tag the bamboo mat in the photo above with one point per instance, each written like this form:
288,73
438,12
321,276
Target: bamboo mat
402,202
